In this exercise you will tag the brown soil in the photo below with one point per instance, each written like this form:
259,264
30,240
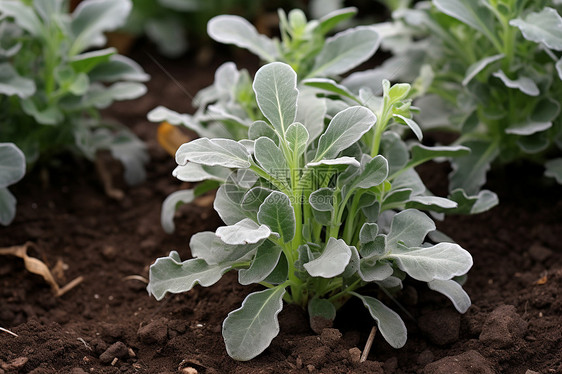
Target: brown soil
108,324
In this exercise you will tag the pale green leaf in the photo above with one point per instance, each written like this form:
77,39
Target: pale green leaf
374,271
92,18
374,173
271,158
170,205
23,15
469,172
12,164
332,262
277,213
469,12
542,27
453,291
331,86
411,124
206,245
368,232
243,232
169,274
192,172
554,169
322,200
297,139
330,20
340,161
485,200
345,50
261,128
11,83
161,114
228,203
85,62
263,264
390,324
523,84
422,153
214,152
433,203
7,207
311,111
442,261
478,66
118,68
249,330
236,30
410,228
275,85
345,129
321,314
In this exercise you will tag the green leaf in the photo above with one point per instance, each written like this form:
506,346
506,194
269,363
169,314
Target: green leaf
118,68
7,207
554,169
442,261
277,213
85,62
409,227
11,83
92,18
214,152
170,205
236,30
23,15
390,324
374,173
332,262
345,129
321,313
322,199
12,164
271,158
453,291
249,330
469,172
266,259
542,27
421,153
48,8
345,50
559,68
485,200
330,20
331,86
469,12
297,139
523,84
478,66
50,115
169,274
206,245
243,232
411,124
373,270
275,85
101,96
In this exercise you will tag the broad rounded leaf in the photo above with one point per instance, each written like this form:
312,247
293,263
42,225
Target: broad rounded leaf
542,27
264,263
345,129
554,169
214,152
275,85
442,261
243,232
374,173
249,330
332,262
206,245
277,212
12,164
169,274
236,30
271,158
346,50
388,321
410,228
11,83
7,207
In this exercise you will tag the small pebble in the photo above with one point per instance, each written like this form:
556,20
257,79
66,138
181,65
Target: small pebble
355,354
539,253
116,350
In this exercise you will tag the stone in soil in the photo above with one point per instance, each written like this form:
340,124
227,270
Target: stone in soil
155,332
116,350
503,327
441,326
470,362
539,253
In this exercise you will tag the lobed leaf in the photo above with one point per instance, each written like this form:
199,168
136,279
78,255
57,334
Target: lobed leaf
542,27
249,330
243,232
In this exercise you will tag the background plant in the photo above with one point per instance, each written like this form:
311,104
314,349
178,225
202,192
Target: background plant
53,83
316,219
491,71
228,107
12,169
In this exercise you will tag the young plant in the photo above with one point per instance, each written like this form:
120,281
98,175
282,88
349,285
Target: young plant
493,73
12,169
228,108
316,219
52,83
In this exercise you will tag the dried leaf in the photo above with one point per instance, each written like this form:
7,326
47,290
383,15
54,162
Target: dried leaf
170,137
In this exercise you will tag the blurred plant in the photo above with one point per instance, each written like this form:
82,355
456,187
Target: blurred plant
12,169
490,70
52,83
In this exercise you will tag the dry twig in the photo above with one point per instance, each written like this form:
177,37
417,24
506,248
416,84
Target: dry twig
368,344
9,332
